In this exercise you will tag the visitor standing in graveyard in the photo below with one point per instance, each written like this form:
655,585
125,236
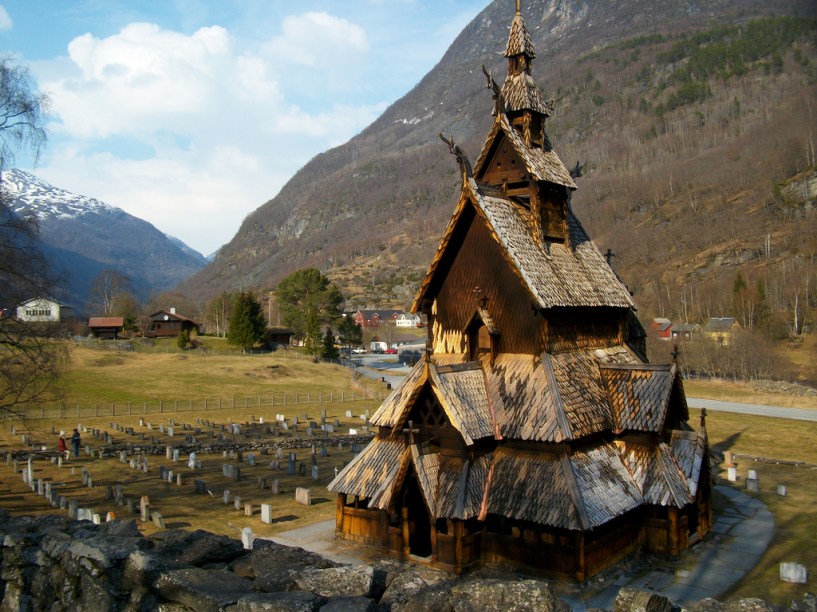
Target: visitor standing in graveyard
75,440
61,446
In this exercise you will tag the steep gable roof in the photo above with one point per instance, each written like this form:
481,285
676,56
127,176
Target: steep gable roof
574,274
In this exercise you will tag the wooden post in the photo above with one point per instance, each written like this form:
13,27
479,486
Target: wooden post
458,529
339,513
581,568
673,530
406,532
434,542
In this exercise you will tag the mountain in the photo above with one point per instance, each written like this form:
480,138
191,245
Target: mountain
81,237
691,117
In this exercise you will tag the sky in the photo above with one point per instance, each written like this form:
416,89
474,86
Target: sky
190,114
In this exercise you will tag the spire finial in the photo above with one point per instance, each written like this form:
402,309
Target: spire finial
518,6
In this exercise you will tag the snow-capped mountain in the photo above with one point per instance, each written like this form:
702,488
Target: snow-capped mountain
82,236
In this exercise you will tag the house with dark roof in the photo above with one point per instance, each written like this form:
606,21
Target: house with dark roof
531,431
721,329
685,331
662,328
106,327
168,324
376,318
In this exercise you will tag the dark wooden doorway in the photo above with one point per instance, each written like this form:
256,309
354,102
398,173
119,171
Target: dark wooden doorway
419,521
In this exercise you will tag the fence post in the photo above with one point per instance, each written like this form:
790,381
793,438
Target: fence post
161,406
96,409
205,403
130,409
190,405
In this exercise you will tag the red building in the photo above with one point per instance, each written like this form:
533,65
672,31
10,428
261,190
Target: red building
376,318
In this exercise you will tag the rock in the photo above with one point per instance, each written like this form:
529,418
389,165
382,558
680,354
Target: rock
807,604
295,601
336,581
202,590
402,586
349,604
634,600
120,529
273,565
197,548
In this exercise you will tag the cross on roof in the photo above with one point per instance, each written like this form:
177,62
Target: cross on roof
411,431
609,256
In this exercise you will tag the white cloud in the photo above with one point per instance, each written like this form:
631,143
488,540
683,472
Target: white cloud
225,137
5,19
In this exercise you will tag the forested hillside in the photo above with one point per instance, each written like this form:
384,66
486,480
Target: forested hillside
695,122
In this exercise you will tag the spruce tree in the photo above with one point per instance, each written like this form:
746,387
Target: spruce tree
247,325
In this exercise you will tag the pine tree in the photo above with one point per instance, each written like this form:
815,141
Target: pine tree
247,324
329,351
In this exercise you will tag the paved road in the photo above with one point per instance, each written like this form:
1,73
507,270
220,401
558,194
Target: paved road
800,414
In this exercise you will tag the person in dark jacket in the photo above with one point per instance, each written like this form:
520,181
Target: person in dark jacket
75,441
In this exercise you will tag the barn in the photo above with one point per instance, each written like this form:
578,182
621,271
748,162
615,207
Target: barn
532,432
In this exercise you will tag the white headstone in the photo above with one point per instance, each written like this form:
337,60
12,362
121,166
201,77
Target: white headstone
793,572
191,461
353,432
266,513
732,474
752,474
247,538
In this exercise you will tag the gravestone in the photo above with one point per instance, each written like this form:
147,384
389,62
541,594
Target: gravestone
781,490
247,538
302,469
227,470
111,516
130,504
314,472
200,487
279,454
262,482
247,509
250,459
237,503
303,496
157,519
175,455
191,461
73,508
274,487
324,451
291,468
266,513
793,572
144,508
96,519
237,473
178,480
226,496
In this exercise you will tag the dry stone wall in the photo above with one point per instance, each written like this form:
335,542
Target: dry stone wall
54,563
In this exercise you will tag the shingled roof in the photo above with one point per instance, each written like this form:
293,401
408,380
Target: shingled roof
574,274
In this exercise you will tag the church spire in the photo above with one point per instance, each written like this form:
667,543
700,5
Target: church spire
519,91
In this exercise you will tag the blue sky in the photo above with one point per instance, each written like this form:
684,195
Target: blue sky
192,113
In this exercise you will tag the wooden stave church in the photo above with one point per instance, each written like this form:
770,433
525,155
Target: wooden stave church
533,433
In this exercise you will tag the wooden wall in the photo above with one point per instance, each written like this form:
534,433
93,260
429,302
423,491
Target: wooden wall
480,264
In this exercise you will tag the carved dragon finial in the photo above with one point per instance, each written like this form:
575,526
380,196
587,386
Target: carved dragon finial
576,171
492,85
462,158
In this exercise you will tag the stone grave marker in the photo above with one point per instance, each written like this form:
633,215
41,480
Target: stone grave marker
157,519
200,487
274,487
302,469
247,538
237,502
250,459
303,496
793,572
144,508
226,496
191,461
266,513
247,509
314,472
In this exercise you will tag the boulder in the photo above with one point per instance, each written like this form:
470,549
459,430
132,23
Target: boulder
273,566
294,601
202,590
349,604
634,600
196,548
336,581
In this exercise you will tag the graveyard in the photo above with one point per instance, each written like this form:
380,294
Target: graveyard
221,472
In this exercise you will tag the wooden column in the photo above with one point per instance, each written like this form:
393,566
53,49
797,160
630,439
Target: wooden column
458,529
673,530
581,565
404,514
339,512
434,542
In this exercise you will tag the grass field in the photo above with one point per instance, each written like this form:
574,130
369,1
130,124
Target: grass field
795,537
110,376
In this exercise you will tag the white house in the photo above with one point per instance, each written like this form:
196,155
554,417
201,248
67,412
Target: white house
407,319
42,310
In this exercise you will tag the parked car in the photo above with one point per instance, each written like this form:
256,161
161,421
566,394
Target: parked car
390,351
359,350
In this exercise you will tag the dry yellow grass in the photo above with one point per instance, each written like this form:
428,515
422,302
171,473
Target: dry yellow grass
795,538
179,506
744,393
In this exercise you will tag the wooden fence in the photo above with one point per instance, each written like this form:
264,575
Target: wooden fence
271,401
